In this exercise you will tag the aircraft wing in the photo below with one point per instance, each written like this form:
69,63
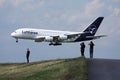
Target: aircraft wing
96,37
43,38
39,38
73,35
66,36
58,38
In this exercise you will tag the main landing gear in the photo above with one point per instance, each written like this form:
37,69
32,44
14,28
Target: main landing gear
55,44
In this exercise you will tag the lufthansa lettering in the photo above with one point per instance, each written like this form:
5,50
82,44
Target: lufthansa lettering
29,32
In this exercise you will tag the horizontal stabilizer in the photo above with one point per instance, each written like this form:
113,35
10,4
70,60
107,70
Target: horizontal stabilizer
96,37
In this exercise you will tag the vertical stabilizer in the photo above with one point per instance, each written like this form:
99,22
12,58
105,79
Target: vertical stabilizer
90,30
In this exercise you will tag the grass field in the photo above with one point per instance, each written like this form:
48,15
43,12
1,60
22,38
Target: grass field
65,69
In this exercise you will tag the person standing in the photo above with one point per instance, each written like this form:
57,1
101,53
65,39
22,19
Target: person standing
82,48
27,55
91,44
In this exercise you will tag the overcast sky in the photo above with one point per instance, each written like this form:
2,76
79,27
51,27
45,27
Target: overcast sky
69,15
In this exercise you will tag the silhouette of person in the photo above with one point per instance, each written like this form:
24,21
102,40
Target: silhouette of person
91,44
82,49
27,55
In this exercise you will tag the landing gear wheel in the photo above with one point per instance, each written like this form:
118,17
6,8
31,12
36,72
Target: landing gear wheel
16,40
50,44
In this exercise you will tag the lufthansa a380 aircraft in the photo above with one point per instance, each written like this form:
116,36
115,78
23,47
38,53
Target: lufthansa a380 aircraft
58,37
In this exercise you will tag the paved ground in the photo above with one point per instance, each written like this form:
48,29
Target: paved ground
103,69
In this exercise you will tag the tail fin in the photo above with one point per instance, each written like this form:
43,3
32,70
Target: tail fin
92,29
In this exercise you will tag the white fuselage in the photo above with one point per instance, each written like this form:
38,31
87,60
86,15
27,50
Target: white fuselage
32,34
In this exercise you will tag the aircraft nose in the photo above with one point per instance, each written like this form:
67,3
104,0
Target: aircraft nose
12,34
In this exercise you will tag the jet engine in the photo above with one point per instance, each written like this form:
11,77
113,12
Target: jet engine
55,39
63,37
48,38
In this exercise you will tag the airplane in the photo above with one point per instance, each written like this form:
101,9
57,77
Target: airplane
55,37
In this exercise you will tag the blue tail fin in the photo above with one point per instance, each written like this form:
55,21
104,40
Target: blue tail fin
91,29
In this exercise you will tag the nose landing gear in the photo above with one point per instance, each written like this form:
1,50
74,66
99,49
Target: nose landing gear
16,40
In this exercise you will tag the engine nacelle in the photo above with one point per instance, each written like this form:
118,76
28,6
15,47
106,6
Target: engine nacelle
48,38
63,37
52,39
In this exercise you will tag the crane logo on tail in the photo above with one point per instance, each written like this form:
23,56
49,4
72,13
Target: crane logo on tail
92,29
